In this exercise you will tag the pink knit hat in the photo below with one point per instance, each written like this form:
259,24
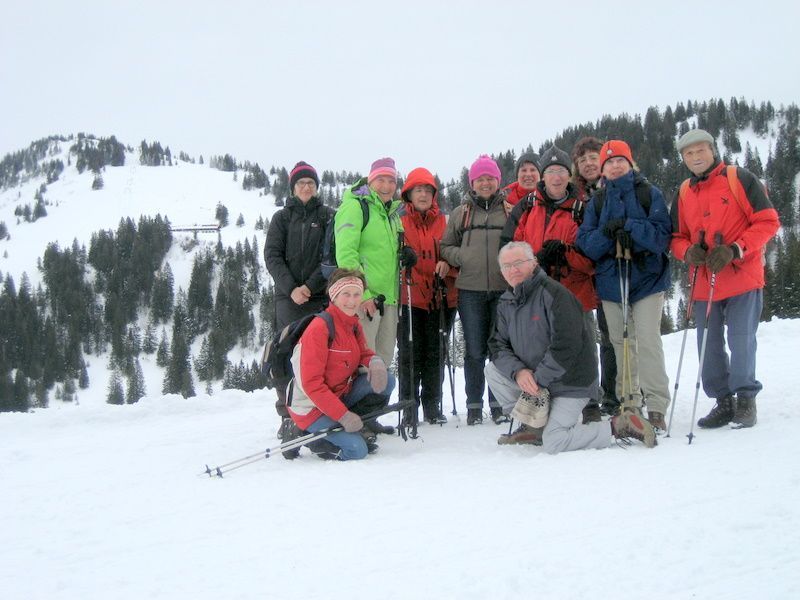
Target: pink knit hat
382,166
484,166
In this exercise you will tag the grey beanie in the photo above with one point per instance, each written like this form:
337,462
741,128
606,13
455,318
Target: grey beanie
555,156
528,157
694,136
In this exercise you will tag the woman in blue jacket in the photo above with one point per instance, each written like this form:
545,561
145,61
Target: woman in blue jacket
630,215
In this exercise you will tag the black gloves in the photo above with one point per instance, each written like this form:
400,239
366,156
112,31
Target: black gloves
612,226
624,238
552,253
695,255
408,258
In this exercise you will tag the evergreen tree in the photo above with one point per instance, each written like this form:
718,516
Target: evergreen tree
178,377
136,388
115,393
83,377
149,339
221,215
162,354
240,220
21,402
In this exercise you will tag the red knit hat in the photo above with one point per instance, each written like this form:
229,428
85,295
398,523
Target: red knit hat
614,148
418,176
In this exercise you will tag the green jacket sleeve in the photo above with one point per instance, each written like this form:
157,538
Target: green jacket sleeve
347,229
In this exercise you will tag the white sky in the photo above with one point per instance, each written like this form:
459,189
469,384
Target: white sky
339,84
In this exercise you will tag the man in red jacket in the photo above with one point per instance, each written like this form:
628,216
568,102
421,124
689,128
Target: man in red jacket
721,223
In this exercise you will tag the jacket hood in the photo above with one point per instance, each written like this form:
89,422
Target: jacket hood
419,176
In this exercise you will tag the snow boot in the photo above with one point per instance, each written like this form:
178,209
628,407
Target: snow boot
371,439
498,417
720,415
325,449
286,425
745,413
610,406
474,416
292,433
629,425
657,421
591,413
524,434
439,419
376,427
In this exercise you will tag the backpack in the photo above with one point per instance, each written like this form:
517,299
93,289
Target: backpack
733,183
276,362
328,260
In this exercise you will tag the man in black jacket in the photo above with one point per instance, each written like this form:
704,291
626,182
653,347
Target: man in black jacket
541,342
293,254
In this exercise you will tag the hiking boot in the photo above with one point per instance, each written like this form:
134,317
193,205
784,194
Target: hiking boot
292,432
609,406
657,421
720,415
633,410
498,417
745,413
629,425
474,416
371,439
286,425
376,427
591,413
524,434
325,449
437,420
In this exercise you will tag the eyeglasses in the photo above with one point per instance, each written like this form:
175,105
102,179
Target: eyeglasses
517,264
556,171
591,156
308,184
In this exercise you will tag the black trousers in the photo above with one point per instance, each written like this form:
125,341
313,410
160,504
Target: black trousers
429,349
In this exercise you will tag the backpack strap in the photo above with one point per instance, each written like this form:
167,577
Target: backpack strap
734,184
326,316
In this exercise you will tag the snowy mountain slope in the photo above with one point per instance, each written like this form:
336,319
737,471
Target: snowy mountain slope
103,501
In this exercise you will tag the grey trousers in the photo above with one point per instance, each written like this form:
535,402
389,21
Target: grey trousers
648,376
381,332
563,431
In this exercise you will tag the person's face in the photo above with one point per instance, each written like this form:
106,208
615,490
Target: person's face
348,300
305,189
385,186
616,167
698,157
516,266
556,179
485,186
589,166
421,197
528,176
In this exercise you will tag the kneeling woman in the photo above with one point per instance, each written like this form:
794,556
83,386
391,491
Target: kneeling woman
338,380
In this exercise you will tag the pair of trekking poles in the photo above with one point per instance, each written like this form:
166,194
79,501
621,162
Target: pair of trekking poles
440,293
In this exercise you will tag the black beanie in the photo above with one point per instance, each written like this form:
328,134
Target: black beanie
300,170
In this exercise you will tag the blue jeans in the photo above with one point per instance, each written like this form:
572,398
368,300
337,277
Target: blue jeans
352,444
723,375
477,311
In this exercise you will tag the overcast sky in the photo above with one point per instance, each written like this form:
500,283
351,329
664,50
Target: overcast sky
339,84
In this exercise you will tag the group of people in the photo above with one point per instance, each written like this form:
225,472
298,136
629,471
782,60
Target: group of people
527,267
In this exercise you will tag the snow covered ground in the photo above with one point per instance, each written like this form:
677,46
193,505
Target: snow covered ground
104,501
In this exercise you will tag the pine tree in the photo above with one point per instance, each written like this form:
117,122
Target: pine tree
21,402
221,215
136,388
178,377
115,394
83,376
162,354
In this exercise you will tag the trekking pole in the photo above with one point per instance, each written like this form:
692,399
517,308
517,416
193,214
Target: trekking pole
412,380
220,470
451,369
712,283
440,293
624,259
683,341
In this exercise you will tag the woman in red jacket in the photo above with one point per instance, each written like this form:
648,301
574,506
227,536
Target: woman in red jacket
338,381
430,278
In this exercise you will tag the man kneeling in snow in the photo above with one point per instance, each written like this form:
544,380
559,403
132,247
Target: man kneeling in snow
541,342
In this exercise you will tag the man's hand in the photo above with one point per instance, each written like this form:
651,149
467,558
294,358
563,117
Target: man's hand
526,382
612,226
301,294
369,308
720,256
408,258
442,268
695,255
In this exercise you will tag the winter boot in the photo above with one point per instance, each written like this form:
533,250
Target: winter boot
592,413
720,415
610,406
371,439
325,449
286,425
376,427
292,433
745,413
498,417
439,419
524,434
474,416
629,425
657,421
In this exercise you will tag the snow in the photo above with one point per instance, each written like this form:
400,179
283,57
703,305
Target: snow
107,501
